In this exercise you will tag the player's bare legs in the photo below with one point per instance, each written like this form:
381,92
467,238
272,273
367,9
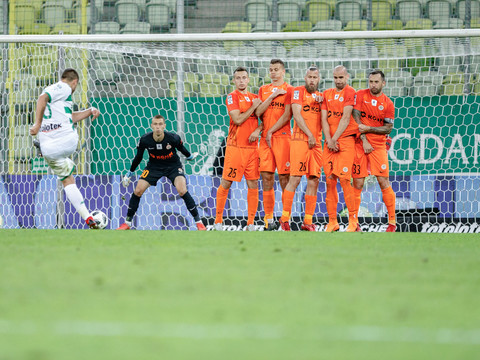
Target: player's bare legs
357,191
181,185
283,180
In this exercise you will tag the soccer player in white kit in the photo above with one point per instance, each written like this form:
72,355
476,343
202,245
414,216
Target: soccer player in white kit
54,119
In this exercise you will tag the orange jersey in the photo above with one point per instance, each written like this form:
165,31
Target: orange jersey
238,134
334,101
276,108
374,111
311,111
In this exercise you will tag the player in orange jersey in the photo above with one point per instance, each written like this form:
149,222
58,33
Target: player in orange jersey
305,148
374,112
241,156
339,129
275,113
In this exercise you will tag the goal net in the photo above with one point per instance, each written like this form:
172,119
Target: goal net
431,77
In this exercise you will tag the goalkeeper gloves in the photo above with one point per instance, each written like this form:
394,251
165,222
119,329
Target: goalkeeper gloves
126,179
192,156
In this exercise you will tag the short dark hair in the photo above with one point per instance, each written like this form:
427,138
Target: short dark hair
277,61
377,72
240,68
158,117
70,74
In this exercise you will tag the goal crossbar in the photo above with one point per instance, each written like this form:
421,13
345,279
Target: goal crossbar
324,35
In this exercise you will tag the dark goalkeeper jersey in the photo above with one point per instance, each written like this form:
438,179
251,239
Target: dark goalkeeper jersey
161,154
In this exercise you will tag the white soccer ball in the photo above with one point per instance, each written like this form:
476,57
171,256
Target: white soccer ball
100,218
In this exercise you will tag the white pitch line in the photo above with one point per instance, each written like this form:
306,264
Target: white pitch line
244,331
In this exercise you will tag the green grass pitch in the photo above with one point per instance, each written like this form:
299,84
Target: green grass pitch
111,295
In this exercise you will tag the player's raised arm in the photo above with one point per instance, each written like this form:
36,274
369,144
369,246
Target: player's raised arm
81,115
39,112
239,118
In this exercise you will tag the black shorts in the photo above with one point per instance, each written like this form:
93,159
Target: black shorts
153,174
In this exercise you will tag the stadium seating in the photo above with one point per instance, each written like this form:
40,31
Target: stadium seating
427,83
474,9
438,9
237,26
107,27
409,10
24,15
418,24
257,11
328,25
53,13
158,15
127,11
289,11
138,27
266,26
66,29
454,84
391,24
356,25
381,10
317,11
348,10
35,29
448,23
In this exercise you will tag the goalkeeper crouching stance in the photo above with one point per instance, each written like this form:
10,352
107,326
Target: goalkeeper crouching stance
163,160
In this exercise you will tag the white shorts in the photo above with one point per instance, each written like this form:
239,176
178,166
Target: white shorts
56,152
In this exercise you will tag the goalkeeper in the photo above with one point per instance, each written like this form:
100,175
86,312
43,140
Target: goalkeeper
163,160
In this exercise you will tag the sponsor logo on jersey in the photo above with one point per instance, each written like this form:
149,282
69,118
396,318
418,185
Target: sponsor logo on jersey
168,146
345,169
159,146
374,102
247,98
50,127
296,95
230,99
336,96
341,99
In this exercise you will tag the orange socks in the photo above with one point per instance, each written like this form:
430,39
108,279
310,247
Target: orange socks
269,203
389,199
252,200
287,205
222,195
310,203
357,193
349,199
331,199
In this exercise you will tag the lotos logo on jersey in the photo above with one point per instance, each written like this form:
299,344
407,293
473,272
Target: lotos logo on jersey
296,95
230,99
374,102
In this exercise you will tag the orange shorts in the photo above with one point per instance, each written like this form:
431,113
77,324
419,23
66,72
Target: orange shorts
239,162
376,162
340,163
277,157
305,161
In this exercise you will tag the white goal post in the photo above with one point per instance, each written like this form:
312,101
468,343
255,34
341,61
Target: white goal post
431,76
